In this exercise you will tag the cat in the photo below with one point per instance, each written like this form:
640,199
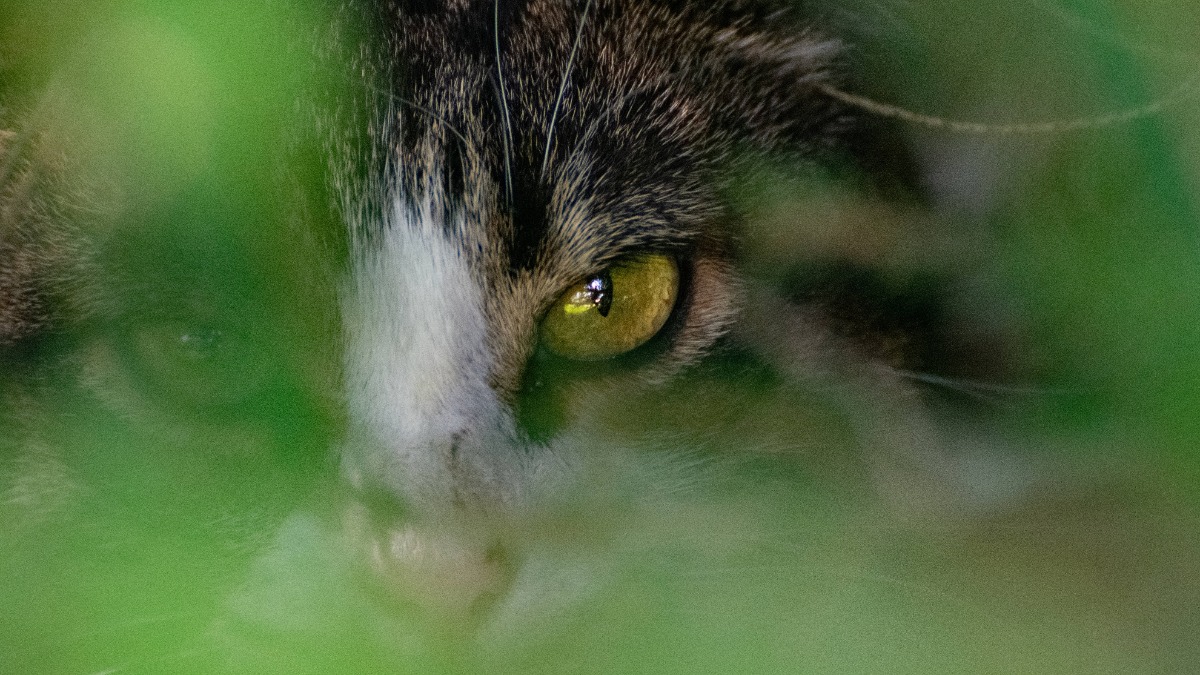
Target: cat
533,335
490,210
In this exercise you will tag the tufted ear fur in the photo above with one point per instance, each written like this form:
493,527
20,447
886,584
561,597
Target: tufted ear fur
783,70
778,72
40,251
22,309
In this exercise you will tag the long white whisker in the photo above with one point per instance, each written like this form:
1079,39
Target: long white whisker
562,87
1185,90
986,391
507,135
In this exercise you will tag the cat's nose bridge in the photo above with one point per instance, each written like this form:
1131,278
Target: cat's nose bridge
421,410
439,464
424,415
426,418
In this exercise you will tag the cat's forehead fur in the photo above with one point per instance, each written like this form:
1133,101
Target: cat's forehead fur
556,136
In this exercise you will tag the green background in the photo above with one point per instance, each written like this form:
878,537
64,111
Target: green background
1086,239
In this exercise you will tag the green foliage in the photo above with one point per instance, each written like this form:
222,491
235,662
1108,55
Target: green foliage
129,549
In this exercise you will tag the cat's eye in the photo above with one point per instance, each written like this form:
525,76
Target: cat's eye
613,312
195,365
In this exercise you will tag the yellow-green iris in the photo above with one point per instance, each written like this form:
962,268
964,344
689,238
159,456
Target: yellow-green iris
613,312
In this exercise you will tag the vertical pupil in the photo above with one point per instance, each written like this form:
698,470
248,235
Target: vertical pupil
600,292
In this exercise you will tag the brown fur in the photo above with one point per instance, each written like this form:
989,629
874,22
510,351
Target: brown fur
639,154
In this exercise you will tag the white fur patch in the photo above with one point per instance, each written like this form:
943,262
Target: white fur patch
417,359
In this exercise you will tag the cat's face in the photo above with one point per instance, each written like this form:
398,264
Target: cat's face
535,248
524,153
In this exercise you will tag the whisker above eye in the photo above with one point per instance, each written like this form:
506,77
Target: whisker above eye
562,88
507,135
1189,88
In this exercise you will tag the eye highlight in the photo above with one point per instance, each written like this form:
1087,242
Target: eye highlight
613,312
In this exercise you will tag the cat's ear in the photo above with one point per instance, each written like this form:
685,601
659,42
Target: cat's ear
775,83
781,88
41,251
20,306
